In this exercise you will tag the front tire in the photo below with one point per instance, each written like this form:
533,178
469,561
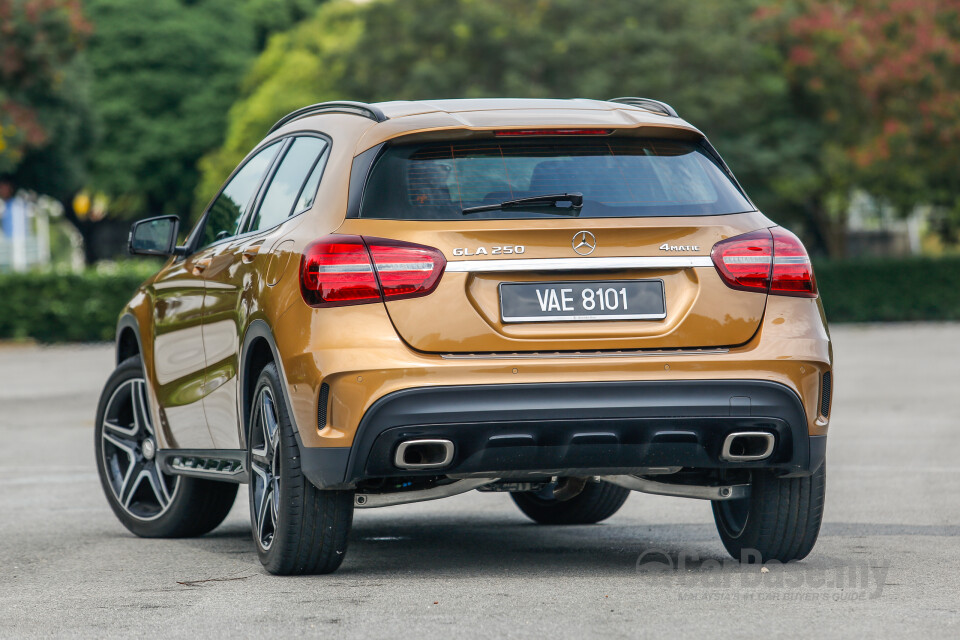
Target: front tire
298,529
780,520
598,501
146,500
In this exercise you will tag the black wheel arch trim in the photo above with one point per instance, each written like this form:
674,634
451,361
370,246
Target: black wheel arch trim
127,322
259,329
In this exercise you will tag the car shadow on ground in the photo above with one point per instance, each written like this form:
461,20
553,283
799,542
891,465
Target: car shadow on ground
441,546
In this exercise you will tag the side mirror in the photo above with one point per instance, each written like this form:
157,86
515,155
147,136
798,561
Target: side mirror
154,236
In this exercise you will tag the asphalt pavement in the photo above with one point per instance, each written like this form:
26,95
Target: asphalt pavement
887,563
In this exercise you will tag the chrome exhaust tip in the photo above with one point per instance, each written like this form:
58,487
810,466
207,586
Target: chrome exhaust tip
747,446
423,454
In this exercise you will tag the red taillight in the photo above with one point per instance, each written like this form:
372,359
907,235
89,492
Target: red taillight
406,270
552,132
336,271
744,261
792,271
767,260
341,270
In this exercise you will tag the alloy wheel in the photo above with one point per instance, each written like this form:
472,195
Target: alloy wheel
128,444
265,465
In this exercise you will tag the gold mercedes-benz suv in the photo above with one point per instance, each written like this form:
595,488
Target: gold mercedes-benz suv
563,300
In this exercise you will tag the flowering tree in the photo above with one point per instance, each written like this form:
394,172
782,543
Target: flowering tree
39,42
880,80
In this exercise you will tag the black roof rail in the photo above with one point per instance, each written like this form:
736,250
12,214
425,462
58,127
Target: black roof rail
649,104
345,106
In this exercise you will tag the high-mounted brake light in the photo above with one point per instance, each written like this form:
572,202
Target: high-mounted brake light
552,132
768,260
340,270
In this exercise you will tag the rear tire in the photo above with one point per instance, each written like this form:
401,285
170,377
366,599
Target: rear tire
298,529
598,501
780,520
148,501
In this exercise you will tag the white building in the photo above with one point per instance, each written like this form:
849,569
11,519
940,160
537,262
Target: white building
24,233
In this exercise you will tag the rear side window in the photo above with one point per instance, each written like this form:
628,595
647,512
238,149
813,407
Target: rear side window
288,180
618,177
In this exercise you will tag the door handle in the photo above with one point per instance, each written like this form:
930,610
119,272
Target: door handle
250,252
200,265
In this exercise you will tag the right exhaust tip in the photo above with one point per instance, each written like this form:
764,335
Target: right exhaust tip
747,446
424,454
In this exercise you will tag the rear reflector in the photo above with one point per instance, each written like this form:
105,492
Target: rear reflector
552,132
768,260
341,270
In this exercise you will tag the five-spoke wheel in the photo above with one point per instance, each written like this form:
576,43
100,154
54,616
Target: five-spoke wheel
148,501
297,527
129,449
265,467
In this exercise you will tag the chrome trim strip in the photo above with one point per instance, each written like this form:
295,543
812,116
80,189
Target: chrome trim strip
371,500
644,485
569,355
578,264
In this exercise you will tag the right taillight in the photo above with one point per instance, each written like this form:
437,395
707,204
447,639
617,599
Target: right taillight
768,260
340,270
792,271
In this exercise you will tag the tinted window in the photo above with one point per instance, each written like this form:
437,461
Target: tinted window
285,186
309,193
618,177
227,210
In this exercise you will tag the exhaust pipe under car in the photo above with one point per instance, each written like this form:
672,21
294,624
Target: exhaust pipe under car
747,446
424,454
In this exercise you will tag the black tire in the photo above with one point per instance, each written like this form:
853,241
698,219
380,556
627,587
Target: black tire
779,521
147,501
298,529
598,501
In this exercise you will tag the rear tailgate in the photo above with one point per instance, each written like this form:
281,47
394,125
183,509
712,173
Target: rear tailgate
464,314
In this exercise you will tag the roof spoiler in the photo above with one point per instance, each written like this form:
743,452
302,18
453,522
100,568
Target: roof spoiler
649,104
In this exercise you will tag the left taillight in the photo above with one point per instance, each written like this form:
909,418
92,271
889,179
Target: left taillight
341,270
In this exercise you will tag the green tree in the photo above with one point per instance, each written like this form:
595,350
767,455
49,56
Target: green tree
165,73
270,16
44,118
304,65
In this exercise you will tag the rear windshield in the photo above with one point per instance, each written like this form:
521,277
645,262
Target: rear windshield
618,177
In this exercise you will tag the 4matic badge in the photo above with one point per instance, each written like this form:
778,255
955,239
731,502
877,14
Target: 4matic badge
679,247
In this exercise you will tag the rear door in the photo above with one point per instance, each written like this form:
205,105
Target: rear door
236,276
213,237
629,269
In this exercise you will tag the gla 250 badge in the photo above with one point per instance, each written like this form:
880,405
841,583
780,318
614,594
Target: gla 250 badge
505,250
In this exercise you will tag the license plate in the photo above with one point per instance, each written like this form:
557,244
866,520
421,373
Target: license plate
581,301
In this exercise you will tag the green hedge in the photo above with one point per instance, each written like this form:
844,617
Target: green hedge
68,307
83,307
890,290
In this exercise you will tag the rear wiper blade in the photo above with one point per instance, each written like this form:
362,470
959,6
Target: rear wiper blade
575,200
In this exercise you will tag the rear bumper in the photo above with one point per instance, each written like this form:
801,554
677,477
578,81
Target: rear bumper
586,428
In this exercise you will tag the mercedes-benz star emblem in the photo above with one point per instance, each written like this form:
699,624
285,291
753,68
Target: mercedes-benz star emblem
584,242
